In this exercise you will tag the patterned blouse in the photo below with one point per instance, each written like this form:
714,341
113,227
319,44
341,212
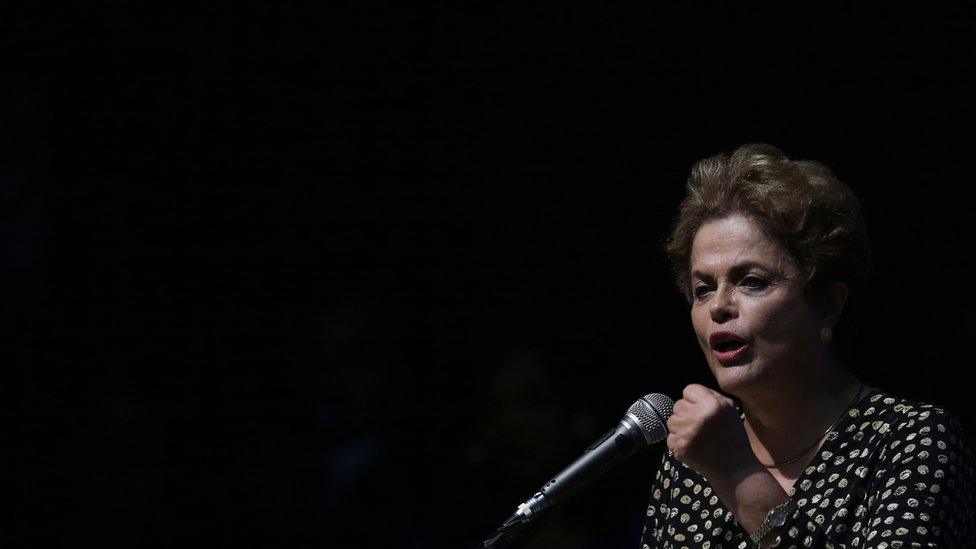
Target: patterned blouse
892,473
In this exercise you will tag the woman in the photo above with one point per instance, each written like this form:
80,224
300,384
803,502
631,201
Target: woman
773,257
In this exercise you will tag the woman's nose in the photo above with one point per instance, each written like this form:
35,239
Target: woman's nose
723,306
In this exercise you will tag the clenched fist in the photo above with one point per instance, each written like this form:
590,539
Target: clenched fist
706,433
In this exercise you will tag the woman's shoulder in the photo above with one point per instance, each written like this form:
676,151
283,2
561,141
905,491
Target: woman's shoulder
923,470
903,412
906,419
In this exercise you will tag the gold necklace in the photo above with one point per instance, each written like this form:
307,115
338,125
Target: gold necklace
836,421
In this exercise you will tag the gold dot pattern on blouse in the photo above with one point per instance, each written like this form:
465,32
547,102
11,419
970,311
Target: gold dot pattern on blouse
892,473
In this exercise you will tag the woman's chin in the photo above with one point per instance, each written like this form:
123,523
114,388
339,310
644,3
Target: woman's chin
734,379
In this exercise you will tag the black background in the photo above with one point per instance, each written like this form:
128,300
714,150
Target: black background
364,275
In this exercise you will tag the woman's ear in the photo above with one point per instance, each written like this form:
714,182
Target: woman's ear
834,298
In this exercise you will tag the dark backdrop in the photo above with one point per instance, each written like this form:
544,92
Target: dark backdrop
276,275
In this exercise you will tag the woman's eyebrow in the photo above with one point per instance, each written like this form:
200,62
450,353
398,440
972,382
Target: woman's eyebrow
734,271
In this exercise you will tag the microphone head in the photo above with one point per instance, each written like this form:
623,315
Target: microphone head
652,412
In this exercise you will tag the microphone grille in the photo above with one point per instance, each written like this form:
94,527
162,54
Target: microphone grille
653,411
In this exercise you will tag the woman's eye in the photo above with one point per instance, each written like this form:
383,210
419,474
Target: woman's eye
754,282
701,291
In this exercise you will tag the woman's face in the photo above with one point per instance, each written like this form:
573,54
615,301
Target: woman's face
748,309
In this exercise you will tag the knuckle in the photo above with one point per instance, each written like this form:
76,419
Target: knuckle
712,407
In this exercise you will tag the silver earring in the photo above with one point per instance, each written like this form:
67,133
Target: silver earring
826,335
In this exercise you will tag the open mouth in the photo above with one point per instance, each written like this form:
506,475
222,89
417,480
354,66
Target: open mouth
731,353
729,346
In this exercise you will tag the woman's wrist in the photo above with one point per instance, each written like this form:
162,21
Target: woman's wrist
750,492
726,480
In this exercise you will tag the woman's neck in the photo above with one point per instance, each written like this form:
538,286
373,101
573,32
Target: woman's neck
782,421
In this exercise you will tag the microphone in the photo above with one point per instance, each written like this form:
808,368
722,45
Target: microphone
642,426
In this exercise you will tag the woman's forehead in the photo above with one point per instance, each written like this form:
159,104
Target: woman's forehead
735,241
